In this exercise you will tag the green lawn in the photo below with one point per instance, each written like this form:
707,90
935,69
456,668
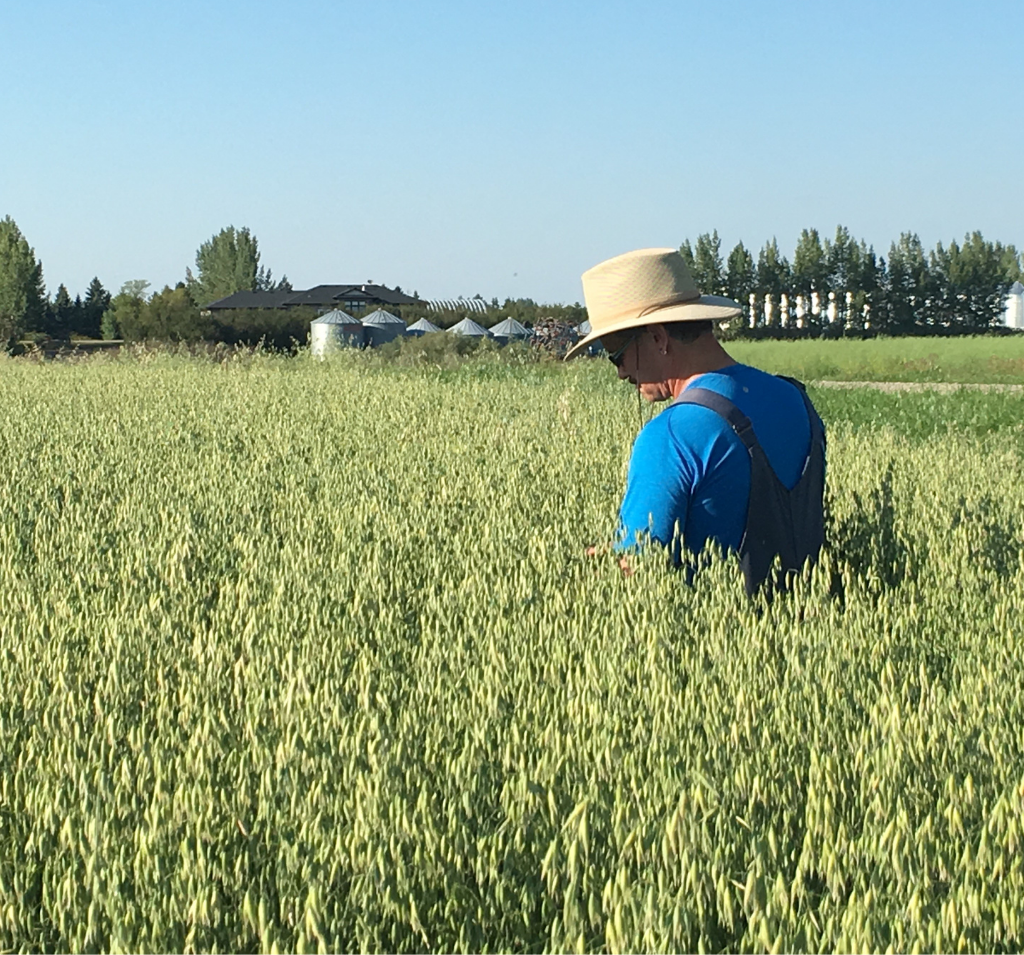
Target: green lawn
989,359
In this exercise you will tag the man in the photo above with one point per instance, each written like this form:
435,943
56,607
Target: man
739,457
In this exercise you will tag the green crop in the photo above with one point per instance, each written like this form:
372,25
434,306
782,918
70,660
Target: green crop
310,657
977,358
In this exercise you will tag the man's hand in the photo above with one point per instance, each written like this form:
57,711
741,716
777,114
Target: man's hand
599,550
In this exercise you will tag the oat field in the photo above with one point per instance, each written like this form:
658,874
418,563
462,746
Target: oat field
309,657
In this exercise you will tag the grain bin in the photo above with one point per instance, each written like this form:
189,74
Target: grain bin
510,330
332,331
1013,317
382,327
470,329
421,328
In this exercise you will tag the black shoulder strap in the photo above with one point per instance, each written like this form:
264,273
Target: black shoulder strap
794,381
817,429
721,405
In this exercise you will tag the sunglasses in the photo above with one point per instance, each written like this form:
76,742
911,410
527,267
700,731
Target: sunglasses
616,357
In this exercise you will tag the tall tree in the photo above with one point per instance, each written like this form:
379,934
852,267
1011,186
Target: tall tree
810,272
774,275
970,284
907,288
172,315
842,255
60,313
22,295
1011,262
123,319
870,286
843,260
740,276
708,269
228,262
90,318
686,251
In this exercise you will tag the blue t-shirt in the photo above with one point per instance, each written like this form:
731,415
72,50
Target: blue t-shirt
689,468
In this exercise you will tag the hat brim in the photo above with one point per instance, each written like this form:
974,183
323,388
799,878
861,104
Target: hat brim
715,308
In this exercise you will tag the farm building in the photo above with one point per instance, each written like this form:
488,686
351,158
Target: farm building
382,327
476,305
336,329
510,330
470,328
323,297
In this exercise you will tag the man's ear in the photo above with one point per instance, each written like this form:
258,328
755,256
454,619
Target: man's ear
660,335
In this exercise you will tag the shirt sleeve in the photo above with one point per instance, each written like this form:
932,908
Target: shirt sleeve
658,489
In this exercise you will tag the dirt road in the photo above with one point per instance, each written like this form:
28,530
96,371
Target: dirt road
944,386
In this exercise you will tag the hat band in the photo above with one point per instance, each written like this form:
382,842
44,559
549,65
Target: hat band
679,299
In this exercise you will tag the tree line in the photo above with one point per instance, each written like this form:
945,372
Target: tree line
836,286
226,263
839,286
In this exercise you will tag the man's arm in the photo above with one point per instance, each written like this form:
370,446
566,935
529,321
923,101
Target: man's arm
658,488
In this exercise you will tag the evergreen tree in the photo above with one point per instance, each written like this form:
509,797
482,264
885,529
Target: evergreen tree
774,275
22,295
1011,264
970,285
907,288
708,271
842,256
59,314
843,261
810,272
686,251
90,318
229,262
870,287
740,276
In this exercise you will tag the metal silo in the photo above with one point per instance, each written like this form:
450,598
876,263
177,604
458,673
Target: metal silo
422,327
467,327
510,330
382,327
1013,317
332,331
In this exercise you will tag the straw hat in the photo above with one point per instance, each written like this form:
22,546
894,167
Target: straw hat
644,287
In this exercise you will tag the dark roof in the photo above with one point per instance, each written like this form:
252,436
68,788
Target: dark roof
251,300
323,295
320,296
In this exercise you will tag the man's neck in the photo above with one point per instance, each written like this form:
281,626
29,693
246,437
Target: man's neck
710,357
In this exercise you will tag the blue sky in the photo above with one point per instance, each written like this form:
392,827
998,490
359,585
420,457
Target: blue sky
501,148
